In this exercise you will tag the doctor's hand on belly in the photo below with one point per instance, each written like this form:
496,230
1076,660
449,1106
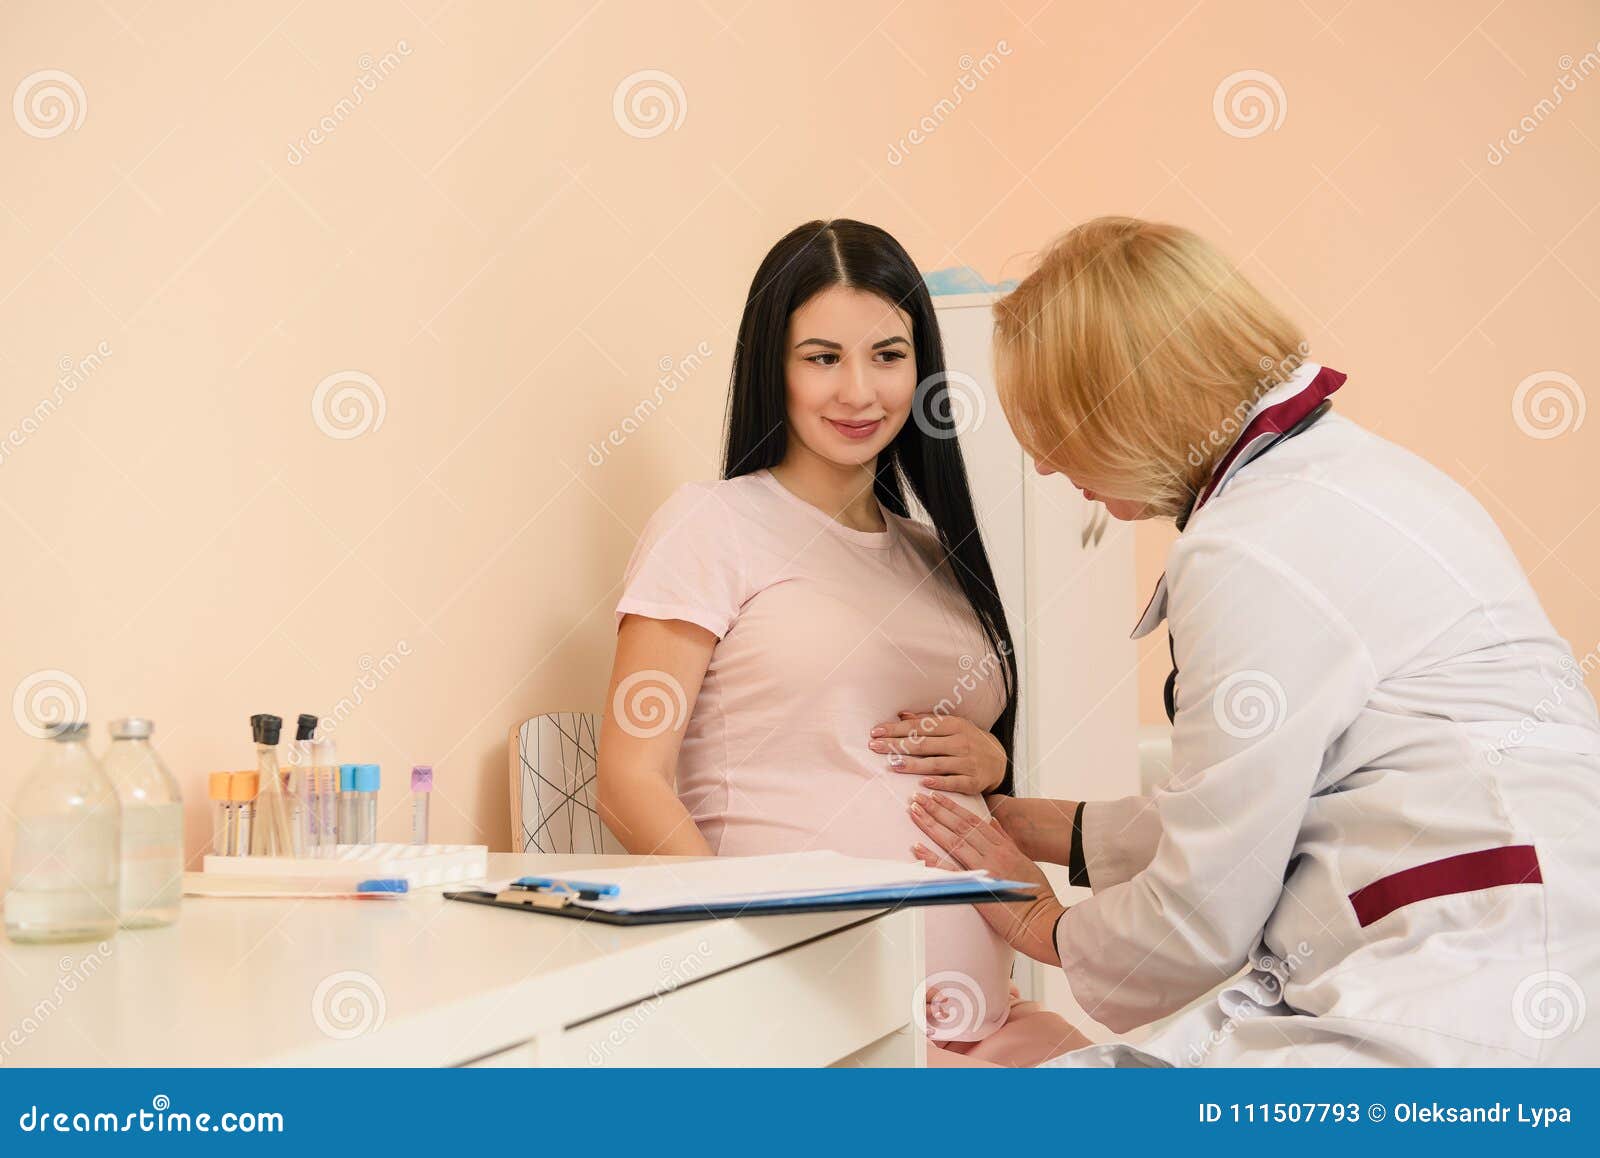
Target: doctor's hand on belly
973,843
950,753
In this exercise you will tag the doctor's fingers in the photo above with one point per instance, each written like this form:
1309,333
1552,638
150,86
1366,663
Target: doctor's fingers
948,812
942,837
968,848
932,857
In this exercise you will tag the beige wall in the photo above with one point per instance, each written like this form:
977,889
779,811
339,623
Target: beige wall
511,269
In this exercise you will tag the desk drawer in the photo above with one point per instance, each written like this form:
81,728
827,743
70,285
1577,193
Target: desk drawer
807,1006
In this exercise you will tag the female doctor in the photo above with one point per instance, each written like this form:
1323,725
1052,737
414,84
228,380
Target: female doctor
1385,797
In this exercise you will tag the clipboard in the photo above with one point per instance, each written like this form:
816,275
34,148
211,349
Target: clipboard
981,893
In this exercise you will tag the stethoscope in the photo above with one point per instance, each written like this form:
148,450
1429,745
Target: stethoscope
1271,426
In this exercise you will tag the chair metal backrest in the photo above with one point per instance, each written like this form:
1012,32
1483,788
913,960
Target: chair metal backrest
553,785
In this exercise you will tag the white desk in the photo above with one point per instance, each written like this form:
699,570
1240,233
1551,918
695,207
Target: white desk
425,982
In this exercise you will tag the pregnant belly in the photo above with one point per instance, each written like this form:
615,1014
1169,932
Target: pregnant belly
968,964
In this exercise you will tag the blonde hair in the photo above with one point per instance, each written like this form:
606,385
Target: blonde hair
1131,355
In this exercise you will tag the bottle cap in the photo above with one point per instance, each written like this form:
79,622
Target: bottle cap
367,777
217,785
422,778
244,785
266,729
68,730
305,727
347,777
131,728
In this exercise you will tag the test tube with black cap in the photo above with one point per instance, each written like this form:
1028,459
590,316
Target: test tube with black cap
302,786
273,834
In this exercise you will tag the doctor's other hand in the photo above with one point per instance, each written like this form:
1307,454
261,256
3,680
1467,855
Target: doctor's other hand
950,753
973,843
1042,828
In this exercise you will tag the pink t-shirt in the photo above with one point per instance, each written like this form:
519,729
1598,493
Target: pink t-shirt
823,631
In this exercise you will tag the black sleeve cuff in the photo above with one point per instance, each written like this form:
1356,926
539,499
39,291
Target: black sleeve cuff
1077,870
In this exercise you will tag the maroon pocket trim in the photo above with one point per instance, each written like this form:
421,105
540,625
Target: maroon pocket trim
1514,864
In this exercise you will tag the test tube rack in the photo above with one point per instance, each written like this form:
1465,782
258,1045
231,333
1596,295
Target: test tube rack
418,864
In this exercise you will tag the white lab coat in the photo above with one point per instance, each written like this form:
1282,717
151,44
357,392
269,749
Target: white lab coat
1366,684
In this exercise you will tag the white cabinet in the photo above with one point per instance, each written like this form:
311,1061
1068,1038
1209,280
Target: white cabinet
1066,574
996,469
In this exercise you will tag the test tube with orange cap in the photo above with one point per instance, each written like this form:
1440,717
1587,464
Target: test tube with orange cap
217,788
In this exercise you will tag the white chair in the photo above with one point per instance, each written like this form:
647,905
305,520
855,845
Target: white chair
553,785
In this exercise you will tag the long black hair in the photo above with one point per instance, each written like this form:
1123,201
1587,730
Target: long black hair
924,456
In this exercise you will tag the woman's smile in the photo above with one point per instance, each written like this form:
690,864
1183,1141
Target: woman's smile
856,429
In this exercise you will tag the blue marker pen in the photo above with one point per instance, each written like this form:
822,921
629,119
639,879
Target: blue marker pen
384,885
587,889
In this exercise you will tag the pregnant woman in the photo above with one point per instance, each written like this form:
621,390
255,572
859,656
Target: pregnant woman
822,653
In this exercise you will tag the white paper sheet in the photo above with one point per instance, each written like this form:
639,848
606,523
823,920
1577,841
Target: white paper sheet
737,880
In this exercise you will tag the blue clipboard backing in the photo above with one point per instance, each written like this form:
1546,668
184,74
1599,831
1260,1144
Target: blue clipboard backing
578,911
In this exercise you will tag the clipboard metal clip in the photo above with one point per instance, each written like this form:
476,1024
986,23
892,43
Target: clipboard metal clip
536,898
552,892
